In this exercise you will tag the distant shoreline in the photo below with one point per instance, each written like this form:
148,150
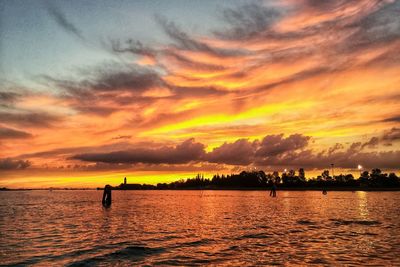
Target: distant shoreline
382,189
265,189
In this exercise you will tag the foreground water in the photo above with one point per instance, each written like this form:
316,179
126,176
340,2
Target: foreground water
199,228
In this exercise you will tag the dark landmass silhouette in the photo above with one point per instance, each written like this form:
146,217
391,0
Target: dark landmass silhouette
259,180
46,189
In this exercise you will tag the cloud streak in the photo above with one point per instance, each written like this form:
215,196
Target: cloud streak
271,84
8,164
63,22
9,133
29,119
183,153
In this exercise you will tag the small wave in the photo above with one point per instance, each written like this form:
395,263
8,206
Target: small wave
359,222
361,234
234,247
292,231
186,260
371,234
195,243
256,235
131,253
133,250
306,222
318,261
163,238
179,261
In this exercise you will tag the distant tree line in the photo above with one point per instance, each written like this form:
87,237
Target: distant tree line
290,179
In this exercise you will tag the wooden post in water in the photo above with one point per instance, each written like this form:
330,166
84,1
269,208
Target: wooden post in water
106,201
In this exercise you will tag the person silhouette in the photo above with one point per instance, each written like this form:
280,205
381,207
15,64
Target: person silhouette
273,190
106,201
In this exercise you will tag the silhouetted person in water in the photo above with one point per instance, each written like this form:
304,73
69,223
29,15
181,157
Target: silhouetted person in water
107,196
273,190
324,192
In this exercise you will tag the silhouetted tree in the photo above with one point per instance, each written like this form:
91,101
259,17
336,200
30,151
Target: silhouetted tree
302,175
258,179
325,175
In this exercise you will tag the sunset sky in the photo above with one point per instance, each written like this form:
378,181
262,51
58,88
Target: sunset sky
93,91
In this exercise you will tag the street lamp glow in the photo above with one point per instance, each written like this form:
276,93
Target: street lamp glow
285,170
359,167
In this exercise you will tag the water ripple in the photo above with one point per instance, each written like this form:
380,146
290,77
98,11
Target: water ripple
228,228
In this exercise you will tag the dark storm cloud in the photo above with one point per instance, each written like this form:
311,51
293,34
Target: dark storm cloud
135,80
96,110
386,159
107,79
273,151
9,133
386,139
13,164
392,119
63,22
183,153
292,151
346,159
29,119
113,82
391,135
273,145
372,143
196,91
240,152
342,158
8,98
335,148
113,77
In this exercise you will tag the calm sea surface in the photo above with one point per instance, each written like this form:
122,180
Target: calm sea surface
199,228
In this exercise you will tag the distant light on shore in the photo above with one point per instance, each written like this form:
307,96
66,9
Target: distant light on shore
359,167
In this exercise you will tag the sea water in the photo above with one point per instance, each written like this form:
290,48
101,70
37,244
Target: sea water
199,228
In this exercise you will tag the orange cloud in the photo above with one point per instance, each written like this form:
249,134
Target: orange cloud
292,68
